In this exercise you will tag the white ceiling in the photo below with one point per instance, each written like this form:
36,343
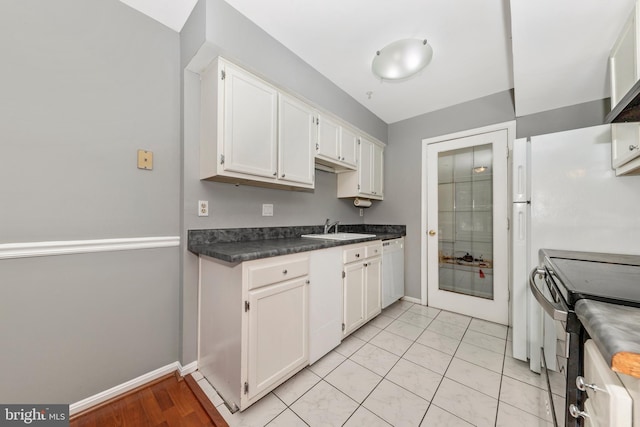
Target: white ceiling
557,56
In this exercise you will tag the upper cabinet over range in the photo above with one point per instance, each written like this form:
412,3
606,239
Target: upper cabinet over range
624,65
253,133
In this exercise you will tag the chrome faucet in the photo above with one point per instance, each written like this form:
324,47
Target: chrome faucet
328,225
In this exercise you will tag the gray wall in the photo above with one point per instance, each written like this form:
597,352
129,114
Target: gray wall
85,84
561,119
403,168
403,157
231,35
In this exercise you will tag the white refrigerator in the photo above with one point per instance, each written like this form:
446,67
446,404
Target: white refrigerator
565,196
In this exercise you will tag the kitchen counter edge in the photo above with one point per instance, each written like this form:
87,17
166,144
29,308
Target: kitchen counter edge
614,329
244,249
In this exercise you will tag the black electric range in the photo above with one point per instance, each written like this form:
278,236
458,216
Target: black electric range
571,276
611,278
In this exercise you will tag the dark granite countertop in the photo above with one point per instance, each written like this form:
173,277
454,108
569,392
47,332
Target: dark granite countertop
616,332
244,244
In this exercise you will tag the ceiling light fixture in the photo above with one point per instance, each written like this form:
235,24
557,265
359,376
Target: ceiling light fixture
401,59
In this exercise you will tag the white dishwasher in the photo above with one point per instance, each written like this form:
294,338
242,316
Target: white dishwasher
392,271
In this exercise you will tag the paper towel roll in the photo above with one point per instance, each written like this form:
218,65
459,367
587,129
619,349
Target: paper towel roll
362,203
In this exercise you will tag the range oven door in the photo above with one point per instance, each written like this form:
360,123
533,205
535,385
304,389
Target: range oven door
562,343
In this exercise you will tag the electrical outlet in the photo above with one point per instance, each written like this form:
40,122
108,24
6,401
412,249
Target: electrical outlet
203,208
267,210
361,212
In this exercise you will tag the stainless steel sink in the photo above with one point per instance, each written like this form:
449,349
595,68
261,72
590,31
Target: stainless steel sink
338,236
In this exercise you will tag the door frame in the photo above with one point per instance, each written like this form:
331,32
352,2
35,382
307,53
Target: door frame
510,127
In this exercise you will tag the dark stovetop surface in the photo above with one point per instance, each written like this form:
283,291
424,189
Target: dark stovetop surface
611,278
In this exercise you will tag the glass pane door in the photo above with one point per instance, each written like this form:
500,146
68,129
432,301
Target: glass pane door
467,226
465,219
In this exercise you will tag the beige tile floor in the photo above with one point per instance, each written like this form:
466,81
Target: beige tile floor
410,366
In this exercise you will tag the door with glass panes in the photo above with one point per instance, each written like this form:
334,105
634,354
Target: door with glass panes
467,226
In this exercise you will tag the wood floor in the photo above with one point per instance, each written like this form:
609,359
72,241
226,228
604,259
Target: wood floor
167,402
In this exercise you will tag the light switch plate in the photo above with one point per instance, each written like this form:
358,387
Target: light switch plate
145,159
267,210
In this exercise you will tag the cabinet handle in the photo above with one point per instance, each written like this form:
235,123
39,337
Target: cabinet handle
275,174
357,255
583,386
633,147
365,264
307,282
284,271
575,412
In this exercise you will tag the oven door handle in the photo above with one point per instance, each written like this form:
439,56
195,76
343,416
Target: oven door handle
554,309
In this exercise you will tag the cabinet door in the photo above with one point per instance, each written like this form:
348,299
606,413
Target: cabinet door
353,298
297,132
364,166
373,271
623,61
349,147
625,143
278,333
377,170
329,133
250,112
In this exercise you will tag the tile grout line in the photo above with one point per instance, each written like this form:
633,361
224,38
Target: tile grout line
401,357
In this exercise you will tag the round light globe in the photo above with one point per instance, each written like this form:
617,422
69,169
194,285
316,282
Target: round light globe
401,59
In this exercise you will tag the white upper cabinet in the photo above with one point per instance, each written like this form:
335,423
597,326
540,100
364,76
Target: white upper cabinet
251,133
249,130
625,148
336,146
349,147
624,59
297,132
367,181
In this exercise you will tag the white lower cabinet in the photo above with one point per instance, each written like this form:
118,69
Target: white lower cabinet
261,321
361,284
254,325
277,335
608,402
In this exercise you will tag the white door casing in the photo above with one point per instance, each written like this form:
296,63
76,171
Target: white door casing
496,309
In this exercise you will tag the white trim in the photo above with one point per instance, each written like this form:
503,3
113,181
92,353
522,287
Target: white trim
412,299
96,399
36,249
189,368
510,126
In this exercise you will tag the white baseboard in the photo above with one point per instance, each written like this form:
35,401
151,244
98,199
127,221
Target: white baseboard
96,399
189,368
412,299
67,247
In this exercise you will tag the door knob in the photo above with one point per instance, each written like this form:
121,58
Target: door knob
432,232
